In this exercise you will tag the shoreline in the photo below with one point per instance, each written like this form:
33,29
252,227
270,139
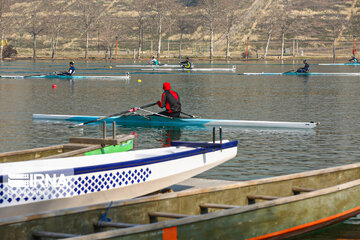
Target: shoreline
129,58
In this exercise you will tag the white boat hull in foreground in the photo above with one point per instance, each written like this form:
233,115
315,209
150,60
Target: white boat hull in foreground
85,180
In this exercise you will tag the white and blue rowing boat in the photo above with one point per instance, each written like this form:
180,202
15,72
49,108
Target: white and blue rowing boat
304,74
149,66
159,121
233,69
339,64
127,76
35,186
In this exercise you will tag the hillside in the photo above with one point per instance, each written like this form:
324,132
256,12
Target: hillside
309,26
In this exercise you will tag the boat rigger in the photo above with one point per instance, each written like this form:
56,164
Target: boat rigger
157,121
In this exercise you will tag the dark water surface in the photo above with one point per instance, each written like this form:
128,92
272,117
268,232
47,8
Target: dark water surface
334,101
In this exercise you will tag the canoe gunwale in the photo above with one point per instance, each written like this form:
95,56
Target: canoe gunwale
223,213
140,200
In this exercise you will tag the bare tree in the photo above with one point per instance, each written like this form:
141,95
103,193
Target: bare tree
57,20
35,27
161,9
184,21
231,10
90,12
284,22
185,25
270,23
142,8
110,30
4,8
336,25
210,9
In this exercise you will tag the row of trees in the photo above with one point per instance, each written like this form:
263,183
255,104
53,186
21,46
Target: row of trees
58,24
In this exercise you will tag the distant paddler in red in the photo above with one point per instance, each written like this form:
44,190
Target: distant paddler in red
171,101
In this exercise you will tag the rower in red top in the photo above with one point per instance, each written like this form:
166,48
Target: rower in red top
171,101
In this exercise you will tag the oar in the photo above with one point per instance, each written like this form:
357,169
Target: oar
289,71
157,114
189,115
134,109
44,74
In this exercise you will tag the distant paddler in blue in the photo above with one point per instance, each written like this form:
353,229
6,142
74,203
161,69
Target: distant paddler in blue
353,59
304,69
71,70
154,61
186,64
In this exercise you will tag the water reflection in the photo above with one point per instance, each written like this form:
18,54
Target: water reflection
168,135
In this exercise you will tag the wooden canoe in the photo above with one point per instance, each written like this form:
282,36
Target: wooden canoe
76,147
270,208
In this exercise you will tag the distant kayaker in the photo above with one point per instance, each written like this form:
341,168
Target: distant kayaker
353,59
171,101
305,69
71,70
154,61
186,64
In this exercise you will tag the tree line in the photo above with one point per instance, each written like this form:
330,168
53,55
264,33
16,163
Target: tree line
58,24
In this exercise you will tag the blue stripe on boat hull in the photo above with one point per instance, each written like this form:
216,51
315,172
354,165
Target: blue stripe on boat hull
139,162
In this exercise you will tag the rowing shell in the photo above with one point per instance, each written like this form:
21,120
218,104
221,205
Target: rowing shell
148,66
304,74
339,64
233,69
156,121
70,77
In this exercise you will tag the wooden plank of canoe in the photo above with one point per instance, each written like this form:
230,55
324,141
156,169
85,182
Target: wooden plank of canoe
30,153
104,141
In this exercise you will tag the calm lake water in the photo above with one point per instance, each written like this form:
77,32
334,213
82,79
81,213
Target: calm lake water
332,100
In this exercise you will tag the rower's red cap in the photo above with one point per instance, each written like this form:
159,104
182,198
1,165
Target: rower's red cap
166,86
